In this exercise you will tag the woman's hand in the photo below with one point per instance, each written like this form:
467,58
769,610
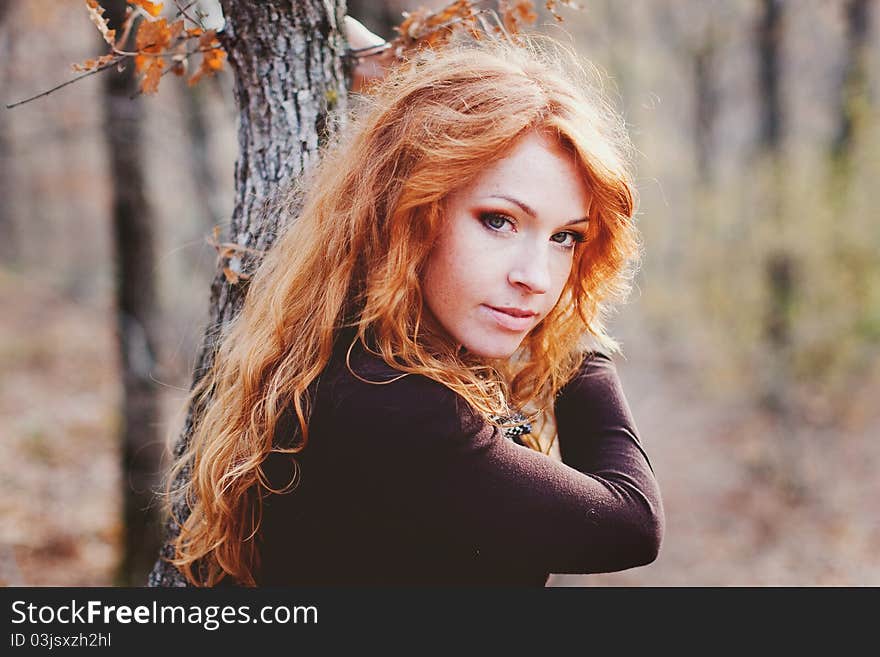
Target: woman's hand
371,51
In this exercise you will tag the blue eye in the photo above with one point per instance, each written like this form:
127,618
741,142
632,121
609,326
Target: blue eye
569,239
495,221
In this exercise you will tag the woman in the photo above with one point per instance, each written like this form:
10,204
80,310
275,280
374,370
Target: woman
458,251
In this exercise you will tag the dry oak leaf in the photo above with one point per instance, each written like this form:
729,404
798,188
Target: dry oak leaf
150,83
153,9
176,29
212,61
551,6
142,62
93,64
208,39
96,14
212,56
515,13
422,24
153,37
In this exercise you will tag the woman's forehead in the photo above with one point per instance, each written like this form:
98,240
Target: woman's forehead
537,175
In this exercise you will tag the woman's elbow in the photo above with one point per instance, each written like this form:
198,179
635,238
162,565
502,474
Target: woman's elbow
639,538
641,523
649,537
652,540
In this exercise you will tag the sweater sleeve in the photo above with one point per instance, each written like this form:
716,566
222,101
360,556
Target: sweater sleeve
446,468
597,437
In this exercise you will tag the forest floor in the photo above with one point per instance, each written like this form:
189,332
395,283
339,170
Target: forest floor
741,508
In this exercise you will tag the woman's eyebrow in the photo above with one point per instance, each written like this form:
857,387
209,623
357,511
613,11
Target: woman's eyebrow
530,211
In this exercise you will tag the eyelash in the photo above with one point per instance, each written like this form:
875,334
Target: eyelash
575,236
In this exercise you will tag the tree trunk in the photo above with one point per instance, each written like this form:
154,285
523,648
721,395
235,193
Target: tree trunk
851,253
136,317
852,111
705,103
769,42
779,266
784,449
204,181
288,64
8,233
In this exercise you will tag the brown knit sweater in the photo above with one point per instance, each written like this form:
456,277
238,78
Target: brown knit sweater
404,484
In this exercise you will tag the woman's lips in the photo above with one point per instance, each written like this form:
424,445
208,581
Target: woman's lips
509,322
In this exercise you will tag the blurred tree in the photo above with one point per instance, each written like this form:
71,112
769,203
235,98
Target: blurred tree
779,265
136,315
853,254
770,32
8,237
703,55
853,101
199,152
695,32
288,65
196,99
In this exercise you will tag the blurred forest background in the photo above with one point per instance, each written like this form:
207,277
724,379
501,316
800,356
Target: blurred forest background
751,340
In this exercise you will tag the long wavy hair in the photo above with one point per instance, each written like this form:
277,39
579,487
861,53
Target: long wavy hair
353,259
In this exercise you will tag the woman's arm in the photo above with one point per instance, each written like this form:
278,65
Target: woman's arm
442,466
597,436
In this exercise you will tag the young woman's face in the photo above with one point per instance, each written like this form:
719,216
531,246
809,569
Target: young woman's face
506,248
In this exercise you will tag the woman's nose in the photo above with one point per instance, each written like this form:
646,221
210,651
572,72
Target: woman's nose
531,270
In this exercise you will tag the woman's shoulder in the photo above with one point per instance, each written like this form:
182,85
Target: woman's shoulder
360,384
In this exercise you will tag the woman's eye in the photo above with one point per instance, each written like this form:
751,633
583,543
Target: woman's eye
567,238
495,221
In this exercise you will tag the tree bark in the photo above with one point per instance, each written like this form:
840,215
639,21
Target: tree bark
136,317
288,64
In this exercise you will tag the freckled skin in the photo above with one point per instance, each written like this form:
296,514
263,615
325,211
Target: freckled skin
491,252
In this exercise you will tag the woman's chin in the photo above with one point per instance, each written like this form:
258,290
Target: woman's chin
493,349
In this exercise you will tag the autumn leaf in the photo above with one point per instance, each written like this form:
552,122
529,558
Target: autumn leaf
208,39
551,7
457,9
212,57
176,29
153,37
179,60
150,82
153,9
231,276
94,64
212,61
515,13
96,14
141,62
435,29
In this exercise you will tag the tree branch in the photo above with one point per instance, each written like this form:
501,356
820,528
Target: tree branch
64,84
